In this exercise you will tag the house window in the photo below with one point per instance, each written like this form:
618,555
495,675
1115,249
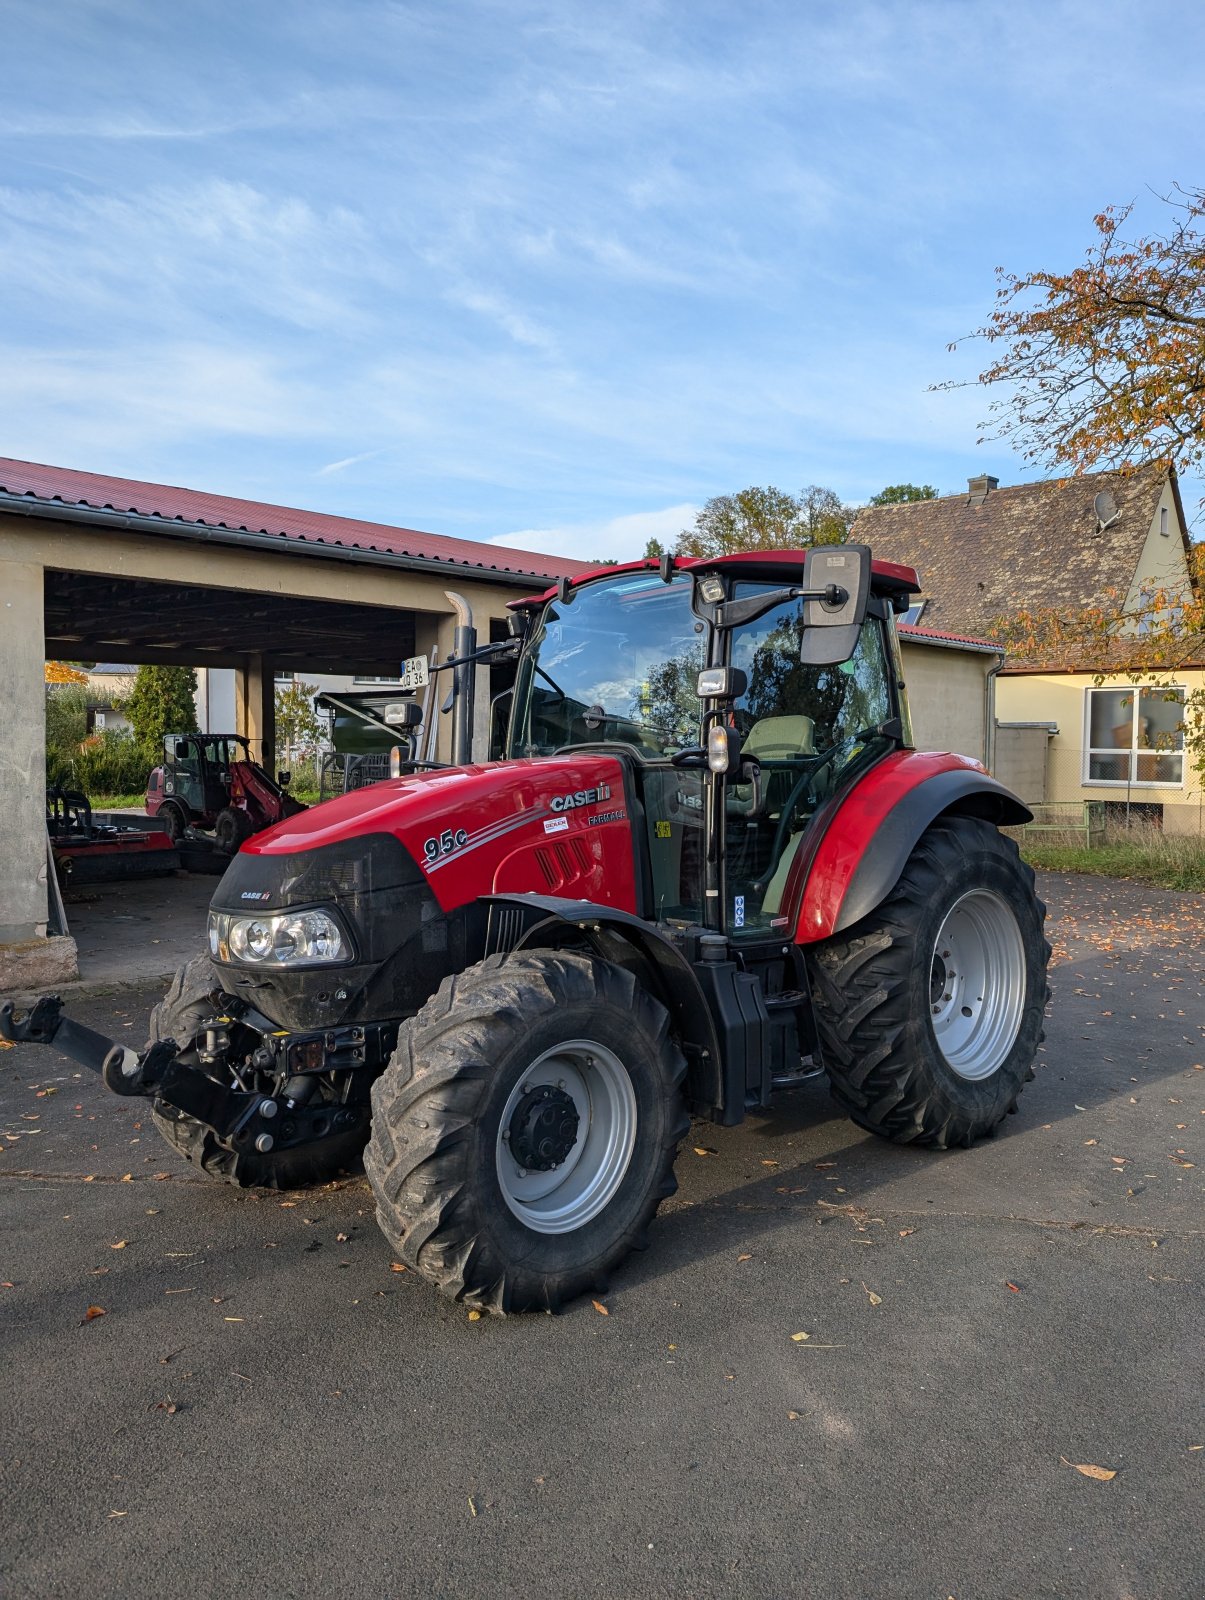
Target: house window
1163,520
1136,737
915,612
362,678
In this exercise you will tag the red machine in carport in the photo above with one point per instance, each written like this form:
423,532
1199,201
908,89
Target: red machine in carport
710,862
209,782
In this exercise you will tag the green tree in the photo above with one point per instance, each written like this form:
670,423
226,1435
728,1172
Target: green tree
766,519
899,494
824,517
163,700
654,550
298,725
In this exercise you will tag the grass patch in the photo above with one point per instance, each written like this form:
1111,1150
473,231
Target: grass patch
1144,855
118,802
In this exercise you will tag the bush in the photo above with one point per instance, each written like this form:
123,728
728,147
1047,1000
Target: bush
108,763
163,700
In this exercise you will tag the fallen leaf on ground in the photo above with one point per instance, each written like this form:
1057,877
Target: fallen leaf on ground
704,1150
127,1177
904,1232
1091,1141
875,1299
120,1245
1100,1474
745,1257
93,1312
793,1415
474,1316
1181,1163
397,1266
341,1238
1014,1287
766,1162
1119,1161
800,1337
600,1308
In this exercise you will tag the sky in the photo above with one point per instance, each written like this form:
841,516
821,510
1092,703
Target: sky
552,274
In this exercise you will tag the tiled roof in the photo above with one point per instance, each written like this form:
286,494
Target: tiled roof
985,557
126,495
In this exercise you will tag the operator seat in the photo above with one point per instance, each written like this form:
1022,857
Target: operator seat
773,739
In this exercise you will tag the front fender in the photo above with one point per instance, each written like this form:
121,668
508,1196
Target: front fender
867,839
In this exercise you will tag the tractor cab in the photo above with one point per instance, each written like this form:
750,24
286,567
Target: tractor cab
196,769
743,695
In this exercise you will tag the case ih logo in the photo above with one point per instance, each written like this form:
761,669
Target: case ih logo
256,894
582,797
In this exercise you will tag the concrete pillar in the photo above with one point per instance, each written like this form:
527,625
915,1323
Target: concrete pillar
22,754
255,703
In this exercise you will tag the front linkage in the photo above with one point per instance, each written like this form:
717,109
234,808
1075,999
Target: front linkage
241,1119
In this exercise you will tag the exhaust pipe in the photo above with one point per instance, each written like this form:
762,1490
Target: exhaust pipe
464,680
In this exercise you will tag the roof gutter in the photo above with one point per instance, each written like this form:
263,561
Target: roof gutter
98,518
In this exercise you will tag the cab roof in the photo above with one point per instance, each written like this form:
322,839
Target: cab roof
887,577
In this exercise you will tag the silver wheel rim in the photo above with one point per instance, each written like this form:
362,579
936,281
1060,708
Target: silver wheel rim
977,984
585,1181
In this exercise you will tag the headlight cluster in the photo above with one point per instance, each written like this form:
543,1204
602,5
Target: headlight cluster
282,939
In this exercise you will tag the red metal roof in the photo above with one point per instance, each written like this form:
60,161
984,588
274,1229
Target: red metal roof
909,630
127,495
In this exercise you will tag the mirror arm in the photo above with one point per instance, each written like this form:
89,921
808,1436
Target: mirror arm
735,613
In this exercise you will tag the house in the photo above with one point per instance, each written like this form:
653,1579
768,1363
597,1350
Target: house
1070,544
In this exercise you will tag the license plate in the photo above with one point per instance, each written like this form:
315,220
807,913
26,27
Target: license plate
415,672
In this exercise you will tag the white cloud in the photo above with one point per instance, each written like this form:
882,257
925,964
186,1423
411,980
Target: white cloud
613,539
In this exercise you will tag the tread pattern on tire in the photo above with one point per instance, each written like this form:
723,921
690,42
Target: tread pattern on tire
877,1045
431,1204
177,1016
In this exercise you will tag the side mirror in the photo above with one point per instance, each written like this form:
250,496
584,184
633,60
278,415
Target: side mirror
831,625
403,714
181,749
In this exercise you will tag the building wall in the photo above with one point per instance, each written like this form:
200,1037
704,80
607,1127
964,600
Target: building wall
947,697
1061,698
1162,564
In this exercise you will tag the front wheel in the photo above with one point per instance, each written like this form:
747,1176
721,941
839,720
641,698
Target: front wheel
930,1009
525,1131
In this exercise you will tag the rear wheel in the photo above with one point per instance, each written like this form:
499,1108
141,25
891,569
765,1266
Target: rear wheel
188,1004
930,1009
231,830
524,1133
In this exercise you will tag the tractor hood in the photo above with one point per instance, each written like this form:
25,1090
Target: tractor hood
554,825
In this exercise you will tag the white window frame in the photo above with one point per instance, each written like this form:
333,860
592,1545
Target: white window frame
914,613
1090,750
376,683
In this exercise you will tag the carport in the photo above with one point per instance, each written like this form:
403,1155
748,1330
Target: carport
96,568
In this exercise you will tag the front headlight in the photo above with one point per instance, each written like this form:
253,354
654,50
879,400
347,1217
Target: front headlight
281,939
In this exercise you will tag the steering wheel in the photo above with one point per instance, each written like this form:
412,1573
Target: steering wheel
802,783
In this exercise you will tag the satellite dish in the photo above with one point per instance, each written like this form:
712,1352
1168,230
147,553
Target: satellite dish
1107,510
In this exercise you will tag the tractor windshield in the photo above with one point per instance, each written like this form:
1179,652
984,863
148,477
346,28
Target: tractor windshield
616,662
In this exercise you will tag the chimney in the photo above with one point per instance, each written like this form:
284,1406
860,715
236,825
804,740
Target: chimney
979,488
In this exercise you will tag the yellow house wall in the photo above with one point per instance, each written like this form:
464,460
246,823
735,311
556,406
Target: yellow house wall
1162,564
1061,698
946,696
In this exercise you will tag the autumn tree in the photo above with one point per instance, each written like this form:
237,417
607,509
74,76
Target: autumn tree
765,519
1105,364
898,494
163,700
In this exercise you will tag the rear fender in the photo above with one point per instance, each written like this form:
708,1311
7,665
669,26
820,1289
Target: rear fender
869,837
530,921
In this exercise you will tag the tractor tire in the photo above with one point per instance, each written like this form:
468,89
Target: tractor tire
231,830
178,1016
172,818
930,1009
524,1133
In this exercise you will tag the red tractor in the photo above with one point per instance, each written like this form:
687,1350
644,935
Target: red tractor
709,862
209,782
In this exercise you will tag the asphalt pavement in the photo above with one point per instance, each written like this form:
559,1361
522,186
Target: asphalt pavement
841,1369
